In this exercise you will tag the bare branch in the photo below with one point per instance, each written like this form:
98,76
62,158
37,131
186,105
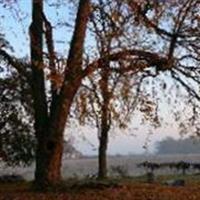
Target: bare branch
18,65
185,85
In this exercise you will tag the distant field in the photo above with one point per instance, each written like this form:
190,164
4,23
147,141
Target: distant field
88,166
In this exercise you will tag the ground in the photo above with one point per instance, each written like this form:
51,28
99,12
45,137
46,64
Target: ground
126,189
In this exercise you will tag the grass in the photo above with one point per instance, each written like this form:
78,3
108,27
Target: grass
128,188
15,187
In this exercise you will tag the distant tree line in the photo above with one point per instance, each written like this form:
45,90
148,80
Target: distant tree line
182,166
170,145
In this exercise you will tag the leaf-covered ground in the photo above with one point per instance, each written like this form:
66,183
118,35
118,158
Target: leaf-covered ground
124,191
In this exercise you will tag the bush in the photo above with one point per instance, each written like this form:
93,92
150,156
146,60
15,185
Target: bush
120,170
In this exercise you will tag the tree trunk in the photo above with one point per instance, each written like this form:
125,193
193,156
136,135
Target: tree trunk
50,143
105,122
50,126
102,172
48,162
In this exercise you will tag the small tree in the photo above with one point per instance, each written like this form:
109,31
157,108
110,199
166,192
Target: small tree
107,99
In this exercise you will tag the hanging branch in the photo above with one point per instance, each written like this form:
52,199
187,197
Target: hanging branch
17,64
185,85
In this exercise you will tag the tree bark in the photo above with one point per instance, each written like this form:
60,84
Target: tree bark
102,172
50,126
50,148
105,122
38,88
48,162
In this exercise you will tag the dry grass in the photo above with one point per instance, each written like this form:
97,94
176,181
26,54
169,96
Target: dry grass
126,189
109,190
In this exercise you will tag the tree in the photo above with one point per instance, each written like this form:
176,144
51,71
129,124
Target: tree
49,127
181,146
106,99
17,141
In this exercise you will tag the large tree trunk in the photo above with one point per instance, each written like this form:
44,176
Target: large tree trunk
50,145
50,126
48,162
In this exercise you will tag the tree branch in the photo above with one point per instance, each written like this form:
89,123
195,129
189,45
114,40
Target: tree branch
187,88
15,63
152,59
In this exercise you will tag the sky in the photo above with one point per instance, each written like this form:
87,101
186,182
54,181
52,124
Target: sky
14,22
122,142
